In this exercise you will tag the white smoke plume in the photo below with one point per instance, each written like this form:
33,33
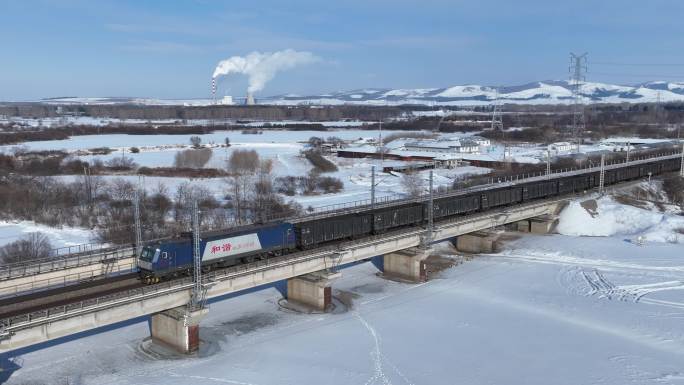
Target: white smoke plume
262,67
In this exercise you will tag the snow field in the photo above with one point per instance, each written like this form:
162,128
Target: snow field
547,309
59,237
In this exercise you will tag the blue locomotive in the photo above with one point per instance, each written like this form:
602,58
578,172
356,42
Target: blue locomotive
173,257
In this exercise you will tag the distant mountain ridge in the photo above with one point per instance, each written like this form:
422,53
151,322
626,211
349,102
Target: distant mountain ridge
544,92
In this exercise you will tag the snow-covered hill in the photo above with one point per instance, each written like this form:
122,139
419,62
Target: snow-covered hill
545,92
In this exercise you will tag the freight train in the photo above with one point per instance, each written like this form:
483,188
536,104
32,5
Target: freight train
225,248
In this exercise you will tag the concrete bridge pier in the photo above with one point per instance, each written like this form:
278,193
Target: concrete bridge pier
312,290
543,224
408,264
178,328
523,226
478,242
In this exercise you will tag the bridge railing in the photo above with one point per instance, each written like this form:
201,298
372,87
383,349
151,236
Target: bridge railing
231,272
60,263
65,280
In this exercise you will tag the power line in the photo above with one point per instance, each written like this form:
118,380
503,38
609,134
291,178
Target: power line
652,76
637,64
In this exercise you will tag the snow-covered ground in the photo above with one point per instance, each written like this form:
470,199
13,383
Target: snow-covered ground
548,309
59,237
236,137
282,147
63,121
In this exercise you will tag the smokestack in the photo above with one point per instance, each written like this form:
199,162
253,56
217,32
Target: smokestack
250,99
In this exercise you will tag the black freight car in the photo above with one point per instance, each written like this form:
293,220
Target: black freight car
311,233
349,226
537,190
445,207
500,197
397,216
572,184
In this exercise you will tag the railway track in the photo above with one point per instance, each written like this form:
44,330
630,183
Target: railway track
13,306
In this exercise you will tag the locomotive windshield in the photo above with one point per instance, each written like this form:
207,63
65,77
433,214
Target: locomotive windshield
147,254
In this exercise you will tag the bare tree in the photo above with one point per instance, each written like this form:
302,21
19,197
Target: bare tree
192,158
311,181
31,247
121,163
413,184
243,162
186,194
287,185
121,190
242,166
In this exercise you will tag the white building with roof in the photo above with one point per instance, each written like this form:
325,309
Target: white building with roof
482,142
559,147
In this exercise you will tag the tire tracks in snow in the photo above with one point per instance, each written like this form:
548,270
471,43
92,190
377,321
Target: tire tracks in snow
600,286
589,271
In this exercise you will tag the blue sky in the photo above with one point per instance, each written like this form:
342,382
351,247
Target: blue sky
168,49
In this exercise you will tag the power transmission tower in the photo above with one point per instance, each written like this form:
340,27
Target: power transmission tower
602,174
578,67
380,146
197,299
88,183
497,119
427,239
138,226
373,187
681,166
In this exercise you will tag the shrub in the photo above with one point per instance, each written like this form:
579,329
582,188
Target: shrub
195,141
192,158
121,163
101,151
243,162
329,184
319,162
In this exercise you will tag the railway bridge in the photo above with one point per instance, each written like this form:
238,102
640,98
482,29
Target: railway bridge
308,274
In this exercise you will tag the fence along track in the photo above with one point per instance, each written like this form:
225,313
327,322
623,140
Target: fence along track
70,261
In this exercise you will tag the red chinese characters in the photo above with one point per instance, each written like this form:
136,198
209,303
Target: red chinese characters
219,248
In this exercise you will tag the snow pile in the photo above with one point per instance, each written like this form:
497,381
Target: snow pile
604,217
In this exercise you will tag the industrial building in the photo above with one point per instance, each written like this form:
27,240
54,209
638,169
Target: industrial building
558,147
461,146
438,159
